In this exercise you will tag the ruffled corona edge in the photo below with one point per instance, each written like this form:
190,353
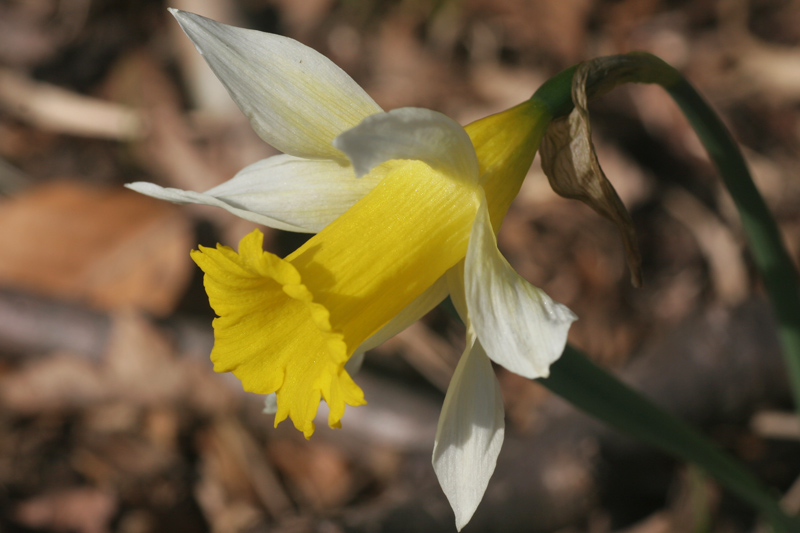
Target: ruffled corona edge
273,336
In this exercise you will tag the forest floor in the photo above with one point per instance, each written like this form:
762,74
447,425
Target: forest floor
111,418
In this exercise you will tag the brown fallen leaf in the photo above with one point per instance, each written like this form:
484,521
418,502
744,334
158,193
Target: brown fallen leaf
108,247
56,109
319,473
234,460
57,383
141,365
79,509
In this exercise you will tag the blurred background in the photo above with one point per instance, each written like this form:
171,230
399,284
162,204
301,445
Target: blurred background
111,418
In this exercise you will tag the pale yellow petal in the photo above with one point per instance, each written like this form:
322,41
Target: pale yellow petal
519,325
411,133
297,100
470,432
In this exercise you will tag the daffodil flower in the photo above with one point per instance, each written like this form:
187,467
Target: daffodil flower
405,205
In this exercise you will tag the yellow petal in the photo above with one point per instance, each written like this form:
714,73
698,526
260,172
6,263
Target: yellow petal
505,144
374,260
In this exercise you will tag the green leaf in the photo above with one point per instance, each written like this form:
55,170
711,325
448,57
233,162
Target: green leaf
593,390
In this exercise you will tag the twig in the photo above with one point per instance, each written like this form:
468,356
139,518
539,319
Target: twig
52,108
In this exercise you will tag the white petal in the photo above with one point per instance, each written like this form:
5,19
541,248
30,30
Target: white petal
411,133
455,286
353,365
470,432
420,307
520,327
284,192
270,404
297,100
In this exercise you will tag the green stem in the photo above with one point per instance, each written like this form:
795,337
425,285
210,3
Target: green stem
771,258
590,388
763,236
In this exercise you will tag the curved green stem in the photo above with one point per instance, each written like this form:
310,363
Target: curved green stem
590,388
763,236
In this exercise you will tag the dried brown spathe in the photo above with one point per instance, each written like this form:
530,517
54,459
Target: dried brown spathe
570,163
